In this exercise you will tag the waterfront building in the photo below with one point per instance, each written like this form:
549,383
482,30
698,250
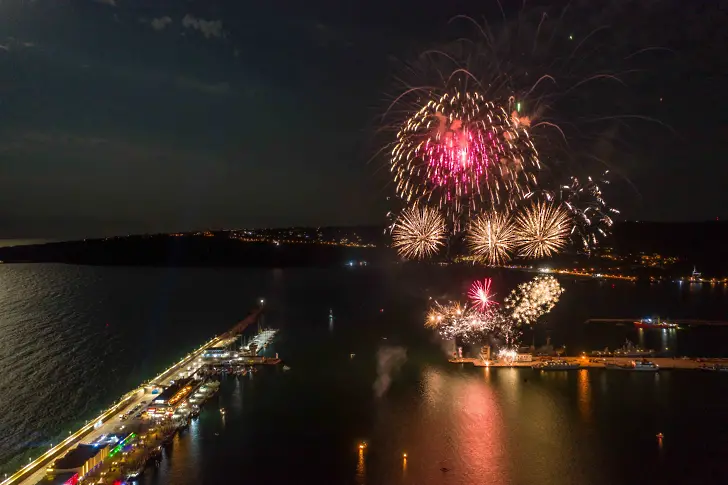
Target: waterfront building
80,460
66,478
167,401
216,353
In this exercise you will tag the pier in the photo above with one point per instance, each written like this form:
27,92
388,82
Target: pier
108,421
687,322
665,363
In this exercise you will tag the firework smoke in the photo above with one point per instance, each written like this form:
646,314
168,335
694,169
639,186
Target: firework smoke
389,361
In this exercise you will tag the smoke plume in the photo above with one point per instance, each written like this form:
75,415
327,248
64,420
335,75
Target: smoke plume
389,360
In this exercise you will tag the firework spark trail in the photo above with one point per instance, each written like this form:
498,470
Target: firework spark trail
532,299
459,320
463,151
419,232
588,210
542,229
480,295
492,237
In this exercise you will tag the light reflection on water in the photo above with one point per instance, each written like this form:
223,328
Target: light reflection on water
486,425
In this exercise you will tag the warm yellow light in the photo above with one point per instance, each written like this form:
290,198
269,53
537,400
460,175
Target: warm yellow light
361,447
404,455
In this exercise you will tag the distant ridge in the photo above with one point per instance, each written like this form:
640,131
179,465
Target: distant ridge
704,244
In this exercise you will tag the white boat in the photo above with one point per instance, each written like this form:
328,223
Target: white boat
557,365
285,367
636,365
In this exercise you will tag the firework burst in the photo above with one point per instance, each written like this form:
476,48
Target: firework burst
542,229
492,237
456,320
463,150
419,232
532,299
480,295
474,122
589,212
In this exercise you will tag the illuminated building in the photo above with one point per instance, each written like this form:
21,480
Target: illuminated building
80,460
167,401
216,353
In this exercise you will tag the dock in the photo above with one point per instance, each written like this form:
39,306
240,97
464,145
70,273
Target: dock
108,421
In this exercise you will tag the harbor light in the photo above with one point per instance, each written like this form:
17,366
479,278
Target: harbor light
404,455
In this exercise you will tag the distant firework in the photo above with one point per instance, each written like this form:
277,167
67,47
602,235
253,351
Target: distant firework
463,152
419,232
480,295
492,237
477,127
542,230
533,299
589,211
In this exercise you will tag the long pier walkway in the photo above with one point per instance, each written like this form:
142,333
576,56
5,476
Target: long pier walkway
600,362
108,421
715,323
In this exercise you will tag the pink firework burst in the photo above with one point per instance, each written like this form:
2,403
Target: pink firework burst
480,294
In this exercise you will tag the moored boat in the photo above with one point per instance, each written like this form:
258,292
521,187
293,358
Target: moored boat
636,365
648,323
557,365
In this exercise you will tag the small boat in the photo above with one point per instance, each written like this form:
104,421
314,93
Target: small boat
715,368
636,365
557,365
647,323
285,367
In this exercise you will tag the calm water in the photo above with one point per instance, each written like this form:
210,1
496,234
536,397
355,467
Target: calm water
72,339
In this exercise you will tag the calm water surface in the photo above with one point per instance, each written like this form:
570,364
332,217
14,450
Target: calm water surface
72,339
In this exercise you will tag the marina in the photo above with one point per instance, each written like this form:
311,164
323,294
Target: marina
118,443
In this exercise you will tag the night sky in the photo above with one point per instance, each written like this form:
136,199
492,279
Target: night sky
132,116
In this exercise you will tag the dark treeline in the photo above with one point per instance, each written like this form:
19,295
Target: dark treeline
701,244
165,250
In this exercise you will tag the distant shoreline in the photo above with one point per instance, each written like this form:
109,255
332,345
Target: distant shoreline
12,242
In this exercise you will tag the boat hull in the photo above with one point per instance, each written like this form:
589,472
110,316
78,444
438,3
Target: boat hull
558,368
631,368
653,325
